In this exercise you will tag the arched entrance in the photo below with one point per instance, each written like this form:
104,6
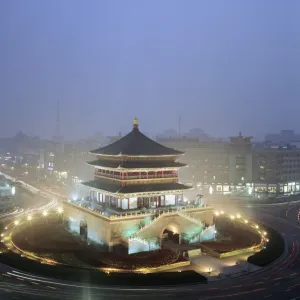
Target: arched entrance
170,235
83,230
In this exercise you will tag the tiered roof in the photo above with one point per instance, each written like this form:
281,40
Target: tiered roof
136,143
116,188
114,164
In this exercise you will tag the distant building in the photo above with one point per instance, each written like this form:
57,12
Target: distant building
283,138
213,165
277,170
7,192
237,166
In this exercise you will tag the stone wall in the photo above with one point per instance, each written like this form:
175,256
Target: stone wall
100,228
113,231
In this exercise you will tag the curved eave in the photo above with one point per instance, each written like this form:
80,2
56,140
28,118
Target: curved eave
141,193
93,152
153,193
119,168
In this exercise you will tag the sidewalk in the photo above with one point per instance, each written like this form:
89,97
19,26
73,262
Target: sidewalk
216,269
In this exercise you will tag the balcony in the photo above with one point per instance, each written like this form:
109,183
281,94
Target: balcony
125,178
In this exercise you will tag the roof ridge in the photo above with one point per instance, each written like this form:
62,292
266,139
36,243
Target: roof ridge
136,143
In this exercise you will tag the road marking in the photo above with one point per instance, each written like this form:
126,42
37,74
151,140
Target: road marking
6,275
50,287
34,282
232,295
290,287
268,296
260,282
277,283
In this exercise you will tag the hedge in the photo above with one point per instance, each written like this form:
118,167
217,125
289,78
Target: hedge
95,277
274,249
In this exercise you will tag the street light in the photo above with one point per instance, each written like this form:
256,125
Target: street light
59,210
29,218
16,223
45,213
246,221
256,226
238,216
232,217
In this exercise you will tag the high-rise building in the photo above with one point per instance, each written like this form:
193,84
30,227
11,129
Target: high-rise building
285,137
215,165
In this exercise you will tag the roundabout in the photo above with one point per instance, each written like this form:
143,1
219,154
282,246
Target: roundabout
277,280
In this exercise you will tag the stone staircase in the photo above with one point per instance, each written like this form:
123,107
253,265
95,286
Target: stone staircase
157,218
190,218
142,229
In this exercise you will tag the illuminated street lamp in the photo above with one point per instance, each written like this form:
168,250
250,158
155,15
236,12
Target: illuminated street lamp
217,213
5,228
265,233
222,212
232,217
238,216
246,221
29,218
16,223
256,226
59,210
45,213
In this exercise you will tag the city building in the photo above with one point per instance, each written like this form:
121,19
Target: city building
136,199
285,137
215,166
276,170
238,167
7,192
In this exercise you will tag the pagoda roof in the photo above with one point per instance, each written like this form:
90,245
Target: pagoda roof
136,143
115,188
135,164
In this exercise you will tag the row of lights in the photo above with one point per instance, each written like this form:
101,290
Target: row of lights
45,214
238,216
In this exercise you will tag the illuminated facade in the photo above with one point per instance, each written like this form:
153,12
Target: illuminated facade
215,166
7,192
136,195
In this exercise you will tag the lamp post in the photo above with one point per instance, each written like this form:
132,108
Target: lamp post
60,213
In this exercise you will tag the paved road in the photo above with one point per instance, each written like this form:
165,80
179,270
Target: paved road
280,281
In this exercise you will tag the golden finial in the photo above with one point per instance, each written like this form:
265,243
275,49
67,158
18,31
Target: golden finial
135,123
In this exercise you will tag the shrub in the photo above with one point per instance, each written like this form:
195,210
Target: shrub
273,250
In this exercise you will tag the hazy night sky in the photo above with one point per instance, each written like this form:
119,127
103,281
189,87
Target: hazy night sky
224,66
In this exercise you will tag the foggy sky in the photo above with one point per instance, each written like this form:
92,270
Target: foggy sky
224,66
